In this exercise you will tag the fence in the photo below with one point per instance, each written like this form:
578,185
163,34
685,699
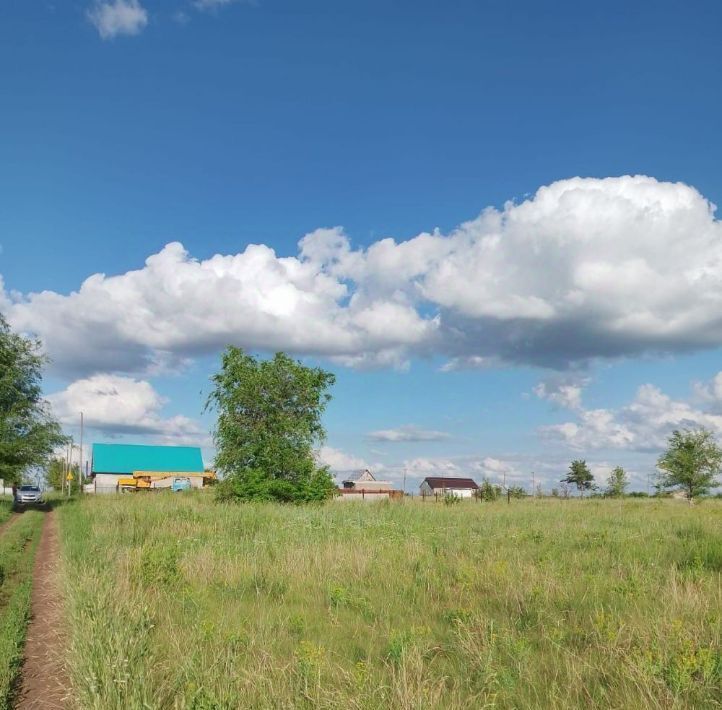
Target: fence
355,494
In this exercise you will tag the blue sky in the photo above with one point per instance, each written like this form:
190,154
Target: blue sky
514,338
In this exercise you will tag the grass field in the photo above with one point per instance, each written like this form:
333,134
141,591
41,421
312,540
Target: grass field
17,552
178,602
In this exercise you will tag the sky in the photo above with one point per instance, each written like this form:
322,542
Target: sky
495,222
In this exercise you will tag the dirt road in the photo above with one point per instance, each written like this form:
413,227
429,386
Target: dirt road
43,681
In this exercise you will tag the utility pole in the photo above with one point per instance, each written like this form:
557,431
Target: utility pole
533,484
80,458
404,481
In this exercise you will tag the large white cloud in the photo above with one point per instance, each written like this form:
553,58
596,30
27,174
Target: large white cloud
642,425
122,405
340,461
118,17
586,268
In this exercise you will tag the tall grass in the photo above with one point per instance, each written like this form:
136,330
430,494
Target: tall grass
17,552
178,602
6,507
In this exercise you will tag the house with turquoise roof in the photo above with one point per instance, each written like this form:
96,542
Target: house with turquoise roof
112,463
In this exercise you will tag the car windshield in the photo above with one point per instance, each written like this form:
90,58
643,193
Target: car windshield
35,489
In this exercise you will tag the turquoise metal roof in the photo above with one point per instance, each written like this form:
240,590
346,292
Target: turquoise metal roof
126,458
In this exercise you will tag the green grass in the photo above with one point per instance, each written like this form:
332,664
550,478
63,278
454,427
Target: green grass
17,552
6,508
178,602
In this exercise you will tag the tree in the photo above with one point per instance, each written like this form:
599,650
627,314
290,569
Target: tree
487,491
516,492
617,483
55,475
691,462
580,476
28,432
269,423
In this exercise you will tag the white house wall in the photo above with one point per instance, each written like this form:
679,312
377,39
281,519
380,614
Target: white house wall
426,490
108,482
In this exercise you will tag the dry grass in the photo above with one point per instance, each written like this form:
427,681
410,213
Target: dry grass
178,602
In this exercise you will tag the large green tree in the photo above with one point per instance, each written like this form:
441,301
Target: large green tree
28,432
691,462
580,476
269,423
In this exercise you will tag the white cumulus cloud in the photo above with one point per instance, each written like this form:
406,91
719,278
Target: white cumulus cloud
340,461
565,391
642,425
118,17
122,405
586,268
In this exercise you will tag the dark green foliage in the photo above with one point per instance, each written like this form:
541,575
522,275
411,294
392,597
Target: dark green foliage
269,422
28,433
691,462
580,476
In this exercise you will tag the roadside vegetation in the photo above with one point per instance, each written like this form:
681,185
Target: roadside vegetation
18,544
269,423
182,602
6,508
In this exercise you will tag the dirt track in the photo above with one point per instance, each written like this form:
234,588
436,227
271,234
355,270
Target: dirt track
43,682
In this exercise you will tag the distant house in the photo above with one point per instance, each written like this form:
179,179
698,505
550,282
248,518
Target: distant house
365,480
364,486
113,462
440,485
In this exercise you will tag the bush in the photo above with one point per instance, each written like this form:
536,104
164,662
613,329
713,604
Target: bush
487,491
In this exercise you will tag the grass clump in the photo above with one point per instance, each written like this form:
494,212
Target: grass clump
179,602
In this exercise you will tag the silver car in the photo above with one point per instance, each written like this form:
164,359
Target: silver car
28,495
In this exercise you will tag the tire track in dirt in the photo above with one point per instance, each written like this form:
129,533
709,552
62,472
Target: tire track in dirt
43,681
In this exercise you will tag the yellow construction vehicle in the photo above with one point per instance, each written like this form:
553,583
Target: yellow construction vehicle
173,480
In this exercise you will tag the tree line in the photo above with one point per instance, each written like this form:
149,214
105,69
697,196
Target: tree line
691,464
268,428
